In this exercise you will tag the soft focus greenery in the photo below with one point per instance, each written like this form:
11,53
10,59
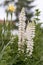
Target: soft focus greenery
27,5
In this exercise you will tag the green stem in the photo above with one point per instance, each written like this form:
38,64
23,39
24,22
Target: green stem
7,16
11,19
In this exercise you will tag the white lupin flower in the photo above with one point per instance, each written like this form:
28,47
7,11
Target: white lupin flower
30,33
22,20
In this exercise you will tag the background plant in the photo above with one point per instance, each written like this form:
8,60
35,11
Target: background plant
37,14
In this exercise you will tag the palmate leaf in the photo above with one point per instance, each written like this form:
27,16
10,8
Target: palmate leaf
37,19
37,13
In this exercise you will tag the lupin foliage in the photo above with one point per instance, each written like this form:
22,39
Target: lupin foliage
11,55
37,14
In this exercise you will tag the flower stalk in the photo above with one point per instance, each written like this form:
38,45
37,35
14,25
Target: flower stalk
22,20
